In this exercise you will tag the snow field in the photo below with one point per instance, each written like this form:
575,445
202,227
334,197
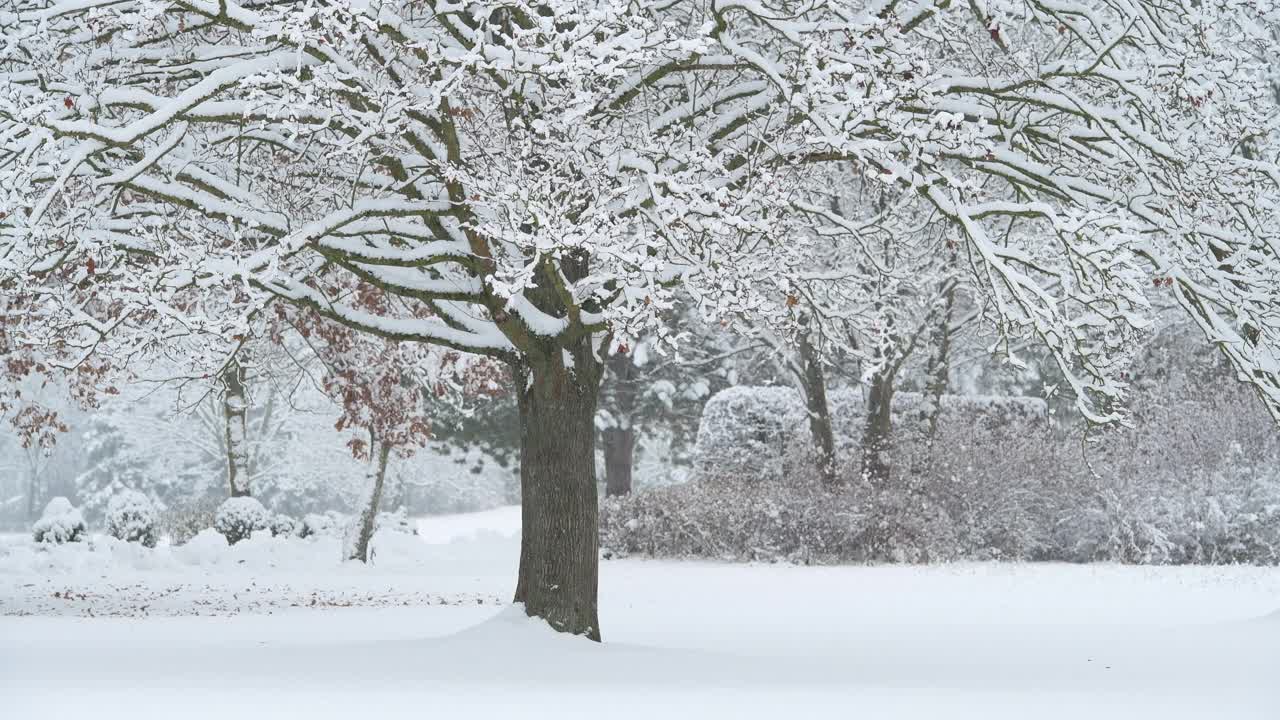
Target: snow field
696,640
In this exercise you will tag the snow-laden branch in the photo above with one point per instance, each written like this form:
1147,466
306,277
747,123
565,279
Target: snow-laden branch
513,179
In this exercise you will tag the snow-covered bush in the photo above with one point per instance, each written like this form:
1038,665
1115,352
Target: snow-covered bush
734,520
131,517
744,431
284,526
182,521
328,524
61,522
239,517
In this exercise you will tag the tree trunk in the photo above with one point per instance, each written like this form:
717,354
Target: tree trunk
620,440
619,456
559,556
359,535
876,466
939,366
235,407
813,384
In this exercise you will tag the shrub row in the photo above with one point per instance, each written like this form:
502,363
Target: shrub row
1194,481
132,517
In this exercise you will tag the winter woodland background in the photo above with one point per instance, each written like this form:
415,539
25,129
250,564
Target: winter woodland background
709,454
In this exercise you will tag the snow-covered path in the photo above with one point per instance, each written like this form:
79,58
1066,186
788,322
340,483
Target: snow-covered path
693,640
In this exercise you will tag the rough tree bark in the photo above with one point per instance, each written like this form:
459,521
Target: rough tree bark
876,467
359,535
235,407
559,556
813,385
620,440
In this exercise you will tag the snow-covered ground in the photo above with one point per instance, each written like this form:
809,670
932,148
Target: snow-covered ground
208,632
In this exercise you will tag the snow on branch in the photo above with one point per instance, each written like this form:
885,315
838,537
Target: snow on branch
516,177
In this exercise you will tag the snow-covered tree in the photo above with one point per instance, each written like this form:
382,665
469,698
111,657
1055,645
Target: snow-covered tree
534,181
383,390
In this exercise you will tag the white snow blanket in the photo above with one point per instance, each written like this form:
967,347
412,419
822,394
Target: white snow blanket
430,634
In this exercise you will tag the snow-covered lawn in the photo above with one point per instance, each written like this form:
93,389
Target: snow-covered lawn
427,635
